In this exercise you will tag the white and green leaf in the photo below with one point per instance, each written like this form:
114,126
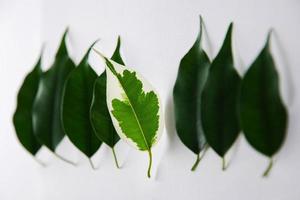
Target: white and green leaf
134,107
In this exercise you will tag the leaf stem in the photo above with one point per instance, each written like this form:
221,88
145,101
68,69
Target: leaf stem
223,163
64,159
115,158
266,173
199,158
39,162
196,163
150,163
92,164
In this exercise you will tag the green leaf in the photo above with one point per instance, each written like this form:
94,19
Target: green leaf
22,118
191,78
134,107
263,114
77,98
220,100
116,55
47,122
100,118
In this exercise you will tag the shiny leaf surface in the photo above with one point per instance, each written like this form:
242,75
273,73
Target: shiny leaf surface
220,100
100,117
77,98
263,114
47,122
22,118
192,75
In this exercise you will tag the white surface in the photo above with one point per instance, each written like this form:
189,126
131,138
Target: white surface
155,35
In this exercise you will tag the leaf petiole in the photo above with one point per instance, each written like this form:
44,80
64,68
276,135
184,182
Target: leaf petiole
196,163
150,163
266,173
199,158
115,157
223,163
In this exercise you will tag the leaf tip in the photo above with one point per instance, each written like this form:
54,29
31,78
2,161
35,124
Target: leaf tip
63,47
228,38
66,32
85,58
41,55
118,44
201,26
270,32
99,53
119,40
201,19
229,32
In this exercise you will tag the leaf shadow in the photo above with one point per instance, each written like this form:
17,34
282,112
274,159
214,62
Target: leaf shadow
290,92
123,153
209,49
170,134
169,119
290,86
234,150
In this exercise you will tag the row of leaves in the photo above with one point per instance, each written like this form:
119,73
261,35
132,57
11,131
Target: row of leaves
213,104
89,109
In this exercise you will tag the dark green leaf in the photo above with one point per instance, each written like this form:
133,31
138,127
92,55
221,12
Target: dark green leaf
263,115
100,117
47,107
77,98
23,115
192,75
116,55
220,100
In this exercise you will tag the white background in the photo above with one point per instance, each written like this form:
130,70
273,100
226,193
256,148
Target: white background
155,35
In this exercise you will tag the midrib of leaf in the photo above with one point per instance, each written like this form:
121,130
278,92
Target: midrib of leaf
110,66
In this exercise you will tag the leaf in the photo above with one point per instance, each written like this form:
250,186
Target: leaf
134,107
116,55
263,115
220,101
22,118
77,98
191,78
100,118
47,106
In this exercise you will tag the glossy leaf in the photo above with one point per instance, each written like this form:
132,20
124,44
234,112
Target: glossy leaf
263,114
47,121
22,118
77,98
134,107
191,78
100,117
220,101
